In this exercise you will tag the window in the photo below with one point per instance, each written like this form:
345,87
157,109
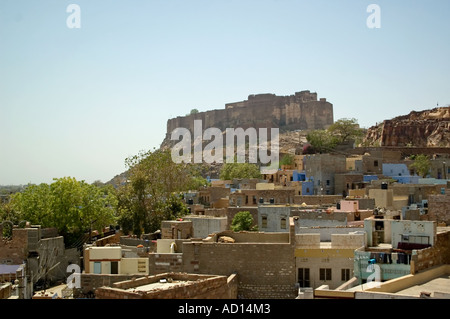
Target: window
325,274
345,274
142,266
303,277
264,221
283,223
97,267
375,163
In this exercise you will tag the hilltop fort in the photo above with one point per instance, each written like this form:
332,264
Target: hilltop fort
300,111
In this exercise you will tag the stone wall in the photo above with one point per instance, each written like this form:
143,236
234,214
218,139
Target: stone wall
436,255
264,269
317,199
5,290
161,263
14,251
90,282
438,208
190,286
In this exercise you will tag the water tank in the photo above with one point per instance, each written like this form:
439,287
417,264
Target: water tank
384,185
272,201
261,200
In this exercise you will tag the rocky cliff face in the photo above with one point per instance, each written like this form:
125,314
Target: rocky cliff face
419,129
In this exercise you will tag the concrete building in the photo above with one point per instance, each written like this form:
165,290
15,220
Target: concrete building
274,218
326,263
321,168
249,255
43,252
203,226
113,260
392,245
176,229
425,274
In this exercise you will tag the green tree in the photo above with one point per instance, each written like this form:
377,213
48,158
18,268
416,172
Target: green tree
152,192
346,129
71,206
421,164
287,159
239,170
193,111
242,221
322,141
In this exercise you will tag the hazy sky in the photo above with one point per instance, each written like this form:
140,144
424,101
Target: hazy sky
78,101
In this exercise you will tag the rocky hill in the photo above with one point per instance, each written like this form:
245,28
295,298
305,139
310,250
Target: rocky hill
426,128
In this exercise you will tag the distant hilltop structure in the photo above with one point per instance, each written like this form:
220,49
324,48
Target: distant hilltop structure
301,111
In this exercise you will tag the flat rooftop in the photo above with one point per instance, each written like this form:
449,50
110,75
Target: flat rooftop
160,285
440,284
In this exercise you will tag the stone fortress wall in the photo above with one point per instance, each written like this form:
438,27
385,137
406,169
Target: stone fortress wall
301,111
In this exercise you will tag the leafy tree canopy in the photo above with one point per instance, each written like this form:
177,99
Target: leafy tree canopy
421,164
346,129
239,170
242,221
69,205
153,191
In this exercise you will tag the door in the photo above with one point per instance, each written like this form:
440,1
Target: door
114,267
